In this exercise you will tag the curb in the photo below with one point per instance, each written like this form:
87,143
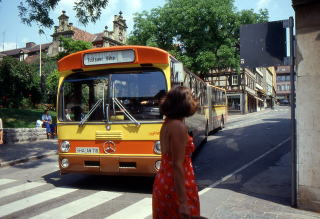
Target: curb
26,159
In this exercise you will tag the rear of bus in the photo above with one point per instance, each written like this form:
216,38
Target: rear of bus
219,107
108,110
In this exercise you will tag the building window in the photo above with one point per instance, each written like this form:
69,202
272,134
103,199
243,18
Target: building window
234,79
234,102
278,87
278,78
259,79
288,87
288,78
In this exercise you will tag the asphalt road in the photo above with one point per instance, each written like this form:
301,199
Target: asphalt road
35,189
262,137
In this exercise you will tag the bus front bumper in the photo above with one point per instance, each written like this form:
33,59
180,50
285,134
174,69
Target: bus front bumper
109,164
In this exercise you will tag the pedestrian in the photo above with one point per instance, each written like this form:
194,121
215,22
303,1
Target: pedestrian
47,123
1,132
175,193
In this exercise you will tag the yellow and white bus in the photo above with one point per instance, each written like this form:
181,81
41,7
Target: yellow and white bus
108,109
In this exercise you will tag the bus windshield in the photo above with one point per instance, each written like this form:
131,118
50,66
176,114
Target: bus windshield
112,95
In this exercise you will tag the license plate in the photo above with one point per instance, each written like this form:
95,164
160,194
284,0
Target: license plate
87,150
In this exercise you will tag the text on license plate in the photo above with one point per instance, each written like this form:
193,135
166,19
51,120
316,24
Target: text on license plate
87,150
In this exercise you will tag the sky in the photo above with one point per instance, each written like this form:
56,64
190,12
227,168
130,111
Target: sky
14,34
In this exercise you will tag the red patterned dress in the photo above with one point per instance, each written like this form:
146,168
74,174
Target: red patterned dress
164,198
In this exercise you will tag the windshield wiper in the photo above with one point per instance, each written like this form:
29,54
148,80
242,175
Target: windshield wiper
95,106
125,111
121,107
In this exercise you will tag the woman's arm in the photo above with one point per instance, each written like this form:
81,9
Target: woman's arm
178,142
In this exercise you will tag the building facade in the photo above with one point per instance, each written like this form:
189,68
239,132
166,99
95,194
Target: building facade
283,85
248,91
106,38
240,87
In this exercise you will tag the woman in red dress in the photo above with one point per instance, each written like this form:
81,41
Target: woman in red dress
175,193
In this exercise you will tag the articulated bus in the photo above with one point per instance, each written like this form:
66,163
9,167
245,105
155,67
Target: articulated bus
108,109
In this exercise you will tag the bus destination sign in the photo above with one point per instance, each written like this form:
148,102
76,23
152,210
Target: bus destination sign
100,58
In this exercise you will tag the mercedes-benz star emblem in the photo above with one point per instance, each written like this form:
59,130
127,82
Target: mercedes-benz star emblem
109,147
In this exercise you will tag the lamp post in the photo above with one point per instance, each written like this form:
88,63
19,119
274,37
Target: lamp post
40,62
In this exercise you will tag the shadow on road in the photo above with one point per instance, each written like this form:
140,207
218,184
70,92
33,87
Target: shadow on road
132,184
226,151
23,152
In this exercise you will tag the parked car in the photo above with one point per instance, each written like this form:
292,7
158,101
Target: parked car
284,102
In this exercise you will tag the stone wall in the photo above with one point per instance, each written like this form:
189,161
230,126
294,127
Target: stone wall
21,135
308,104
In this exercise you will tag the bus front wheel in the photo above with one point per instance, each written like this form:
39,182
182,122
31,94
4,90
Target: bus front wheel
222,123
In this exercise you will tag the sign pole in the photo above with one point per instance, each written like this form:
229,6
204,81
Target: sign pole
293,118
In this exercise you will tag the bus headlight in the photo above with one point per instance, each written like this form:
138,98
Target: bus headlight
64,163
65,146
157,147
157,164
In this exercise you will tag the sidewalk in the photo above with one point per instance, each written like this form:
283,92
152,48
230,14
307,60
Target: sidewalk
266,196
237,116
11,154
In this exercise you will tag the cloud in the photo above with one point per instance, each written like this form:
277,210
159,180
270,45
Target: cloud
64,5
7,46
133,5
67,2
262,4
25,40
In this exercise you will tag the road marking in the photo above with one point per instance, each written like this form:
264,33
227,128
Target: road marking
6,181
19,188
76,207
33,200
243,167
138,210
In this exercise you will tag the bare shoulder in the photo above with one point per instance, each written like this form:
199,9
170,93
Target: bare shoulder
177,126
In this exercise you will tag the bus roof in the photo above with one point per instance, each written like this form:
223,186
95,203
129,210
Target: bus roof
102,56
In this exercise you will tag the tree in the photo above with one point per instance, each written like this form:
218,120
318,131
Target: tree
52,85
49,64
18,81
204,34
37,11
51,74
71,46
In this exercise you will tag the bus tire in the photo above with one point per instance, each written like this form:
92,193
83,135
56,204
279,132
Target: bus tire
207,129
222,123
206,134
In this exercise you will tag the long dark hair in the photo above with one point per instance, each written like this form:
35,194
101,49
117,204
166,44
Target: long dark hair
178,103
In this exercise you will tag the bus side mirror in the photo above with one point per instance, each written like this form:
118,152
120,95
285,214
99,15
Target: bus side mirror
178,73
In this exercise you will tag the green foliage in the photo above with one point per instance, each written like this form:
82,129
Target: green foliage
203,34
52,85
71,46
37,11
22,118
49,64
18,81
